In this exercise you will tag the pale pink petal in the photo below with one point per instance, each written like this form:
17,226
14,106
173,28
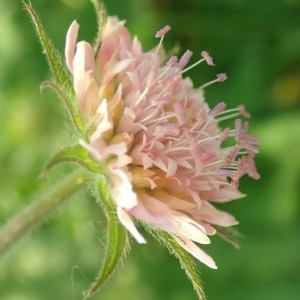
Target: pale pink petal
121,185
128,223
112,25
193,233
172,201
83,68
190,247
90,100
134,78
115,69
172,167
191,229
70,44
104,124
211,215
208,228
84,59
136,47
224,195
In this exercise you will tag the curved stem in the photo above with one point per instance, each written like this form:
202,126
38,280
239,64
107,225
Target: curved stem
37,212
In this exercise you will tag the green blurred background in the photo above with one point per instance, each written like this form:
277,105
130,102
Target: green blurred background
257,43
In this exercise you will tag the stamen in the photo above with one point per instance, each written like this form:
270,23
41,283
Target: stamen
203,128
212,164
245,140
160,34
240,110
220,78
202,141
162,100
178,149
184,59
207,157
172,61
232,167
193,65
224,135
224,173
163,117
151,77
245,127
217,109
179,114
238,127
234,153
207,58
251,171
166,70
242,169
243,112
232,156
229,111
251,150
220,182
227,117
137,102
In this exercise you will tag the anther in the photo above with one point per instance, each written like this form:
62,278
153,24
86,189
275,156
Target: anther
160,33
223,136
221,77
184,59
217,109
243,112
207,58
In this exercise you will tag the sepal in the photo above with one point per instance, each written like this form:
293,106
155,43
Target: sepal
52,55
101,20
62,81
117,245
66,97
74,154
186,261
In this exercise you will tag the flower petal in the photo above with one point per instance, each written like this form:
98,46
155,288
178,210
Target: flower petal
128,223
190,247
70,44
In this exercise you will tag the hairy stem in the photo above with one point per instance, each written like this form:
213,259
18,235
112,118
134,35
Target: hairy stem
37,212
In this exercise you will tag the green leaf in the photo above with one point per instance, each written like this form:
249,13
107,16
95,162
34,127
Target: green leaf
63,84
117,244
75,154
186,261
52,55
74,115
101,20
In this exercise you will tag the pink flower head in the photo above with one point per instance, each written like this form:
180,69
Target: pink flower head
158,138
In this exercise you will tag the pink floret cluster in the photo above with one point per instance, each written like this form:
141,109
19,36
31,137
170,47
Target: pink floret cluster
158,138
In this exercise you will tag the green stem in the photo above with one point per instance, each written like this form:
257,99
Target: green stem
37,212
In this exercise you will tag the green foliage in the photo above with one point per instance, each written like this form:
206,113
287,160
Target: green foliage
101,20
62,84
186,261
117,244
74,154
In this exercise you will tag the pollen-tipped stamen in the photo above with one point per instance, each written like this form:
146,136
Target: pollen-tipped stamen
160,34
220,78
